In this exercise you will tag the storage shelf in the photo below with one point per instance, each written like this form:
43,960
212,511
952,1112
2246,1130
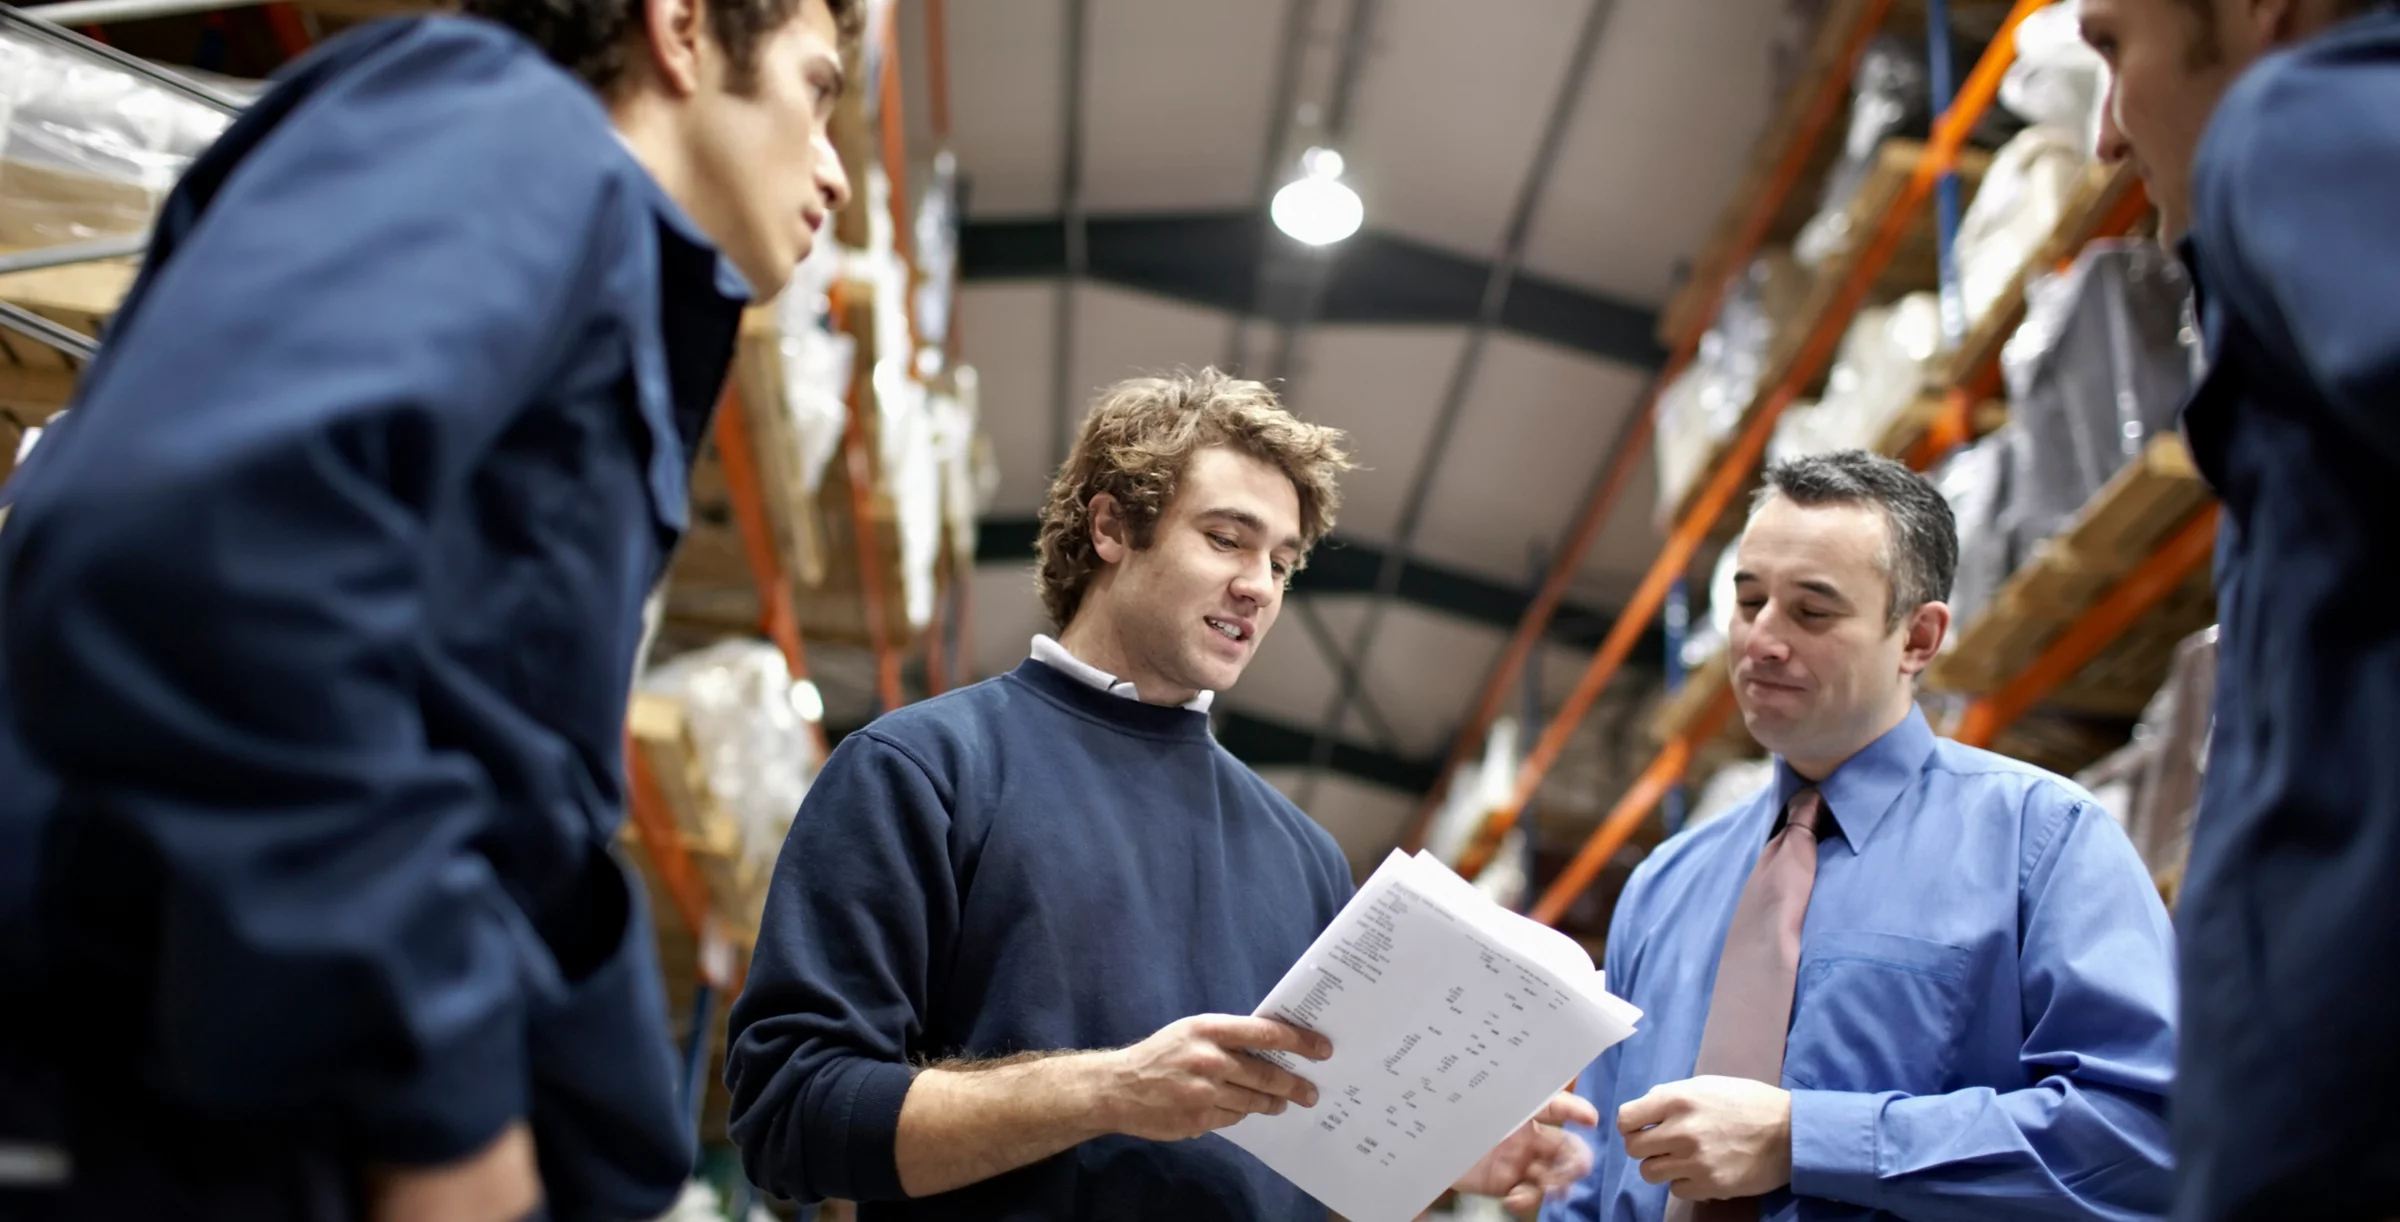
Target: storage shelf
1913,268
2120,527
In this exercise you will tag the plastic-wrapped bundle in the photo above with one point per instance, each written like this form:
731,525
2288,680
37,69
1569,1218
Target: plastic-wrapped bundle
1733,785
1975,481
1882,367
2101,366
1889,97
1705,403
2152,785
2056,80
2027,190
750,723
87,151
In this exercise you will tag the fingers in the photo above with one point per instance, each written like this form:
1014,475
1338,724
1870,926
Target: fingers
1242,1101
1668,1168
1569,1109
1258,1075
1650,1109
1522,1199
1265,1034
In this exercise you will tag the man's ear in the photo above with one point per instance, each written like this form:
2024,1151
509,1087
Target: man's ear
673,34
1922,637
1112,537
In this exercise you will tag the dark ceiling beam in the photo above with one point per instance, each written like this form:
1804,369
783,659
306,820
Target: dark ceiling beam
1340,567
1264,743
1212,259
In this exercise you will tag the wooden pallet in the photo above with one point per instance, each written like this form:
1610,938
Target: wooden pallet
1910,426
1915,267
2118,529
736,881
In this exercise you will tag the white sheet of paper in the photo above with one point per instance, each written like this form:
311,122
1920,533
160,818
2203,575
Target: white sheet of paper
1453,1021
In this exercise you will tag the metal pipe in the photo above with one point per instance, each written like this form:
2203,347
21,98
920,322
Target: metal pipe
44,23
1633,444
42,257
33,326
1679,619
1063,395
1940,76
1462,376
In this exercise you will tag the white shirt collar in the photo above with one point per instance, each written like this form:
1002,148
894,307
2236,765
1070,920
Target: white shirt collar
1050,653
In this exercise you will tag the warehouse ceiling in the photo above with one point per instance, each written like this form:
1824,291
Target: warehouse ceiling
1117,156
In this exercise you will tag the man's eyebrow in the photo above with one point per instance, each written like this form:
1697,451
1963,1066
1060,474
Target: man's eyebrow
1253,523
1826,588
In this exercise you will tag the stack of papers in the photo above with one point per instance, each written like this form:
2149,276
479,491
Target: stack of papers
1453,1022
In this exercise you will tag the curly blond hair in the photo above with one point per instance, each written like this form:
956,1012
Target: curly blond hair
1136,445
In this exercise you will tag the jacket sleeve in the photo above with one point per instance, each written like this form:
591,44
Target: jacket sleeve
2086,1137
216,580
2295,191
863,907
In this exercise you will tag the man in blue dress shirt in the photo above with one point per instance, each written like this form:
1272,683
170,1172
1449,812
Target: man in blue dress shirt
2268,132
321,608
1957,1004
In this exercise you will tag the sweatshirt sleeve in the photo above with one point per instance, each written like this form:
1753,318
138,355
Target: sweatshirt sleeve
216,604
864,903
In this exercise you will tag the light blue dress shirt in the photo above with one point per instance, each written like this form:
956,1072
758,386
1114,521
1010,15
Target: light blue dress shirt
1982,1026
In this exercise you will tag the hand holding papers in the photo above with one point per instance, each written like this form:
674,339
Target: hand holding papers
1453,1021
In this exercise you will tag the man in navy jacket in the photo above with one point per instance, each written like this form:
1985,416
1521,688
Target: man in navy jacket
2268,132
321,606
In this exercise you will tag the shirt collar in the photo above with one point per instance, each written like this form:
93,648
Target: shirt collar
1050,653
1867,785
678,226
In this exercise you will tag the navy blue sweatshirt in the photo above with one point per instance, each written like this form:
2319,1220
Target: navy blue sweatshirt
1028,864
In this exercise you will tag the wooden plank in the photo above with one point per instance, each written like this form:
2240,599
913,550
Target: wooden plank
1701,685
1902,434
90,290
2114,533
30,394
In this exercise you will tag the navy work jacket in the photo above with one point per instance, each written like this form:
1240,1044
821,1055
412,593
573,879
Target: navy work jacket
318,614
2290,919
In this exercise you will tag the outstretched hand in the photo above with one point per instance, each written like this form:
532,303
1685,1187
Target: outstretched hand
1536,1160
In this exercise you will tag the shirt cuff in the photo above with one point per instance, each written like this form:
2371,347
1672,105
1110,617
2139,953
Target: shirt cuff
1833,1145
864,1130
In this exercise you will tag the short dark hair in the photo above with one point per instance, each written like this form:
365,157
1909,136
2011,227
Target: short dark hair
1921,543
2203,51
589,38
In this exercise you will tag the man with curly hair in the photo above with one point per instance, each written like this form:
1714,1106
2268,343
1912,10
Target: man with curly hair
1013,939
322,606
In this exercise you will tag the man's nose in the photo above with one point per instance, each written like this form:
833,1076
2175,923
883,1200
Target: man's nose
2113,147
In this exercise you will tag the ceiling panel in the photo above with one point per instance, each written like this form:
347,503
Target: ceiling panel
1121,333
1537,425
1004,331
1175,112
1007,103
1678,93
1380,385
1449,110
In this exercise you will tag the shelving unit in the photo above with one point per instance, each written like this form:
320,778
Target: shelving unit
2061,635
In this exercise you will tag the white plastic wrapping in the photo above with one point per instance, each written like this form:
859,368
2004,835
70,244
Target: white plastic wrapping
1707,401
87,151
2101,366
2030,184
1725,792
750,722
1885,360
2057,80
1975,482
